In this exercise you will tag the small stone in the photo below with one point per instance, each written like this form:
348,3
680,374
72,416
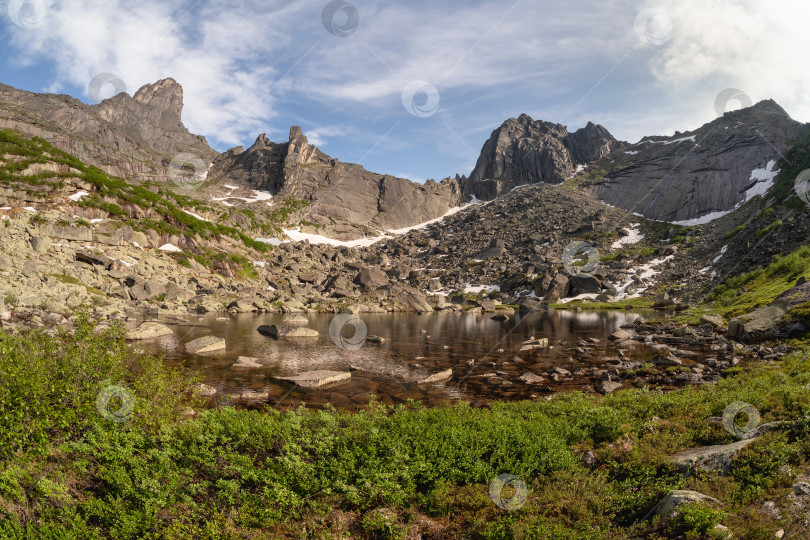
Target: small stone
532,378
438,377
608,387
715,320
801,488
206,390
666,358
620,335
533,344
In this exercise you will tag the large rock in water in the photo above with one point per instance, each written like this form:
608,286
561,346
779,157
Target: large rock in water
277,331
525,151
149,330
316,379
205,344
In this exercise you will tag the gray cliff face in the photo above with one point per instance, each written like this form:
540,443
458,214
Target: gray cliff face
525,151
344,198
131,137
693,174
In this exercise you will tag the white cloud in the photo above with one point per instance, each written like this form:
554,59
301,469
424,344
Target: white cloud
243,64
320,136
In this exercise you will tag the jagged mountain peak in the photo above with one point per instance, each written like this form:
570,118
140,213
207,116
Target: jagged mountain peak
165,95
131,137
527,151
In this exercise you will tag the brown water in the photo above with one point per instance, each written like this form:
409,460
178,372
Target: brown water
415,347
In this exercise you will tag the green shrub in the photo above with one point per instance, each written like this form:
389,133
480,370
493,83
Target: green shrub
698,517
49,384
734,232
769,228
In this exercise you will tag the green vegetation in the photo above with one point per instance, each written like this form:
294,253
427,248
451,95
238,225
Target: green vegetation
680,236
796,160
769,228
631,303
746,292
159,198
734,232
68,472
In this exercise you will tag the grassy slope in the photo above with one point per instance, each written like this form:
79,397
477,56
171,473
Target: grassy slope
67,472
111,193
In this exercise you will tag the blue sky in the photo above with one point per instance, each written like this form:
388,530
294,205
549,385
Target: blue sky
414,88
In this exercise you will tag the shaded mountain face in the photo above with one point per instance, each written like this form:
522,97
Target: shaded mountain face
131,137
345,199
527,151
693,174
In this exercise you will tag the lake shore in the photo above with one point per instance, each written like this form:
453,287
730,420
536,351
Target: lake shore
581,465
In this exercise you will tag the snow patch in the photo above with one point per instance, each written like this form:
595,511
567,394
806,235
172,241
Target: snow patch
79,195
170,247
584,296
632,152
764,179
634,237
578,170
258,196
722,252
479,288
192,214
296,235
454,210
702,220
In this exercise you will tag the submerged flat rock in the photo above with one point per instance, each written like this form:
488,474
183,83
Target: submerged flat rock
316,379
205,344
247,362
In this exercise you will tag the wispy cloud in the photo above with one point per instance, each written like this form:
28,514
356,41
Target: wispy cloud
253,66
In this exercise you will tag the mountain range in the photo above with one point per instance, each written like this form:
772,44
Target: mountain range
122,198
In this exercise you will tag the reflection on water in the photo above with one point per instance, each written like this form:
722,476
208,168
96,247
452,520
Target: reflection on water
415,347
